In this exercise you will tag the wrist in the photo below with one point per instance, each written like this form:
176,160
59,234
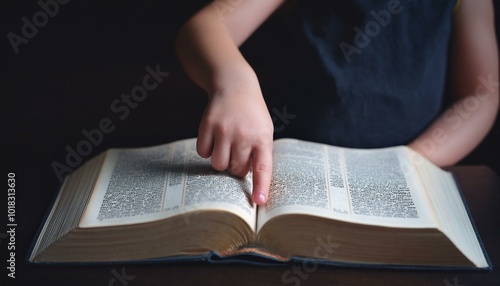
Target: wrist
237,79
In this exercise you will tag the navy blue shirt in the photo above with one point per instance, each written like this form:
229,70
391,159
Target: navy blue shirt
368,73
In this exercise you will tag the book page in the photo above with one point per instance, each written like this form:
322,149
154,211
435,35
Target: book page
146,184
375,186
451,211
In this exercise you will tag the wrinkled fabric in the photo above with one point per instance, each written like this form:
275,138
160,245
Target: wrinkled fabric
367,73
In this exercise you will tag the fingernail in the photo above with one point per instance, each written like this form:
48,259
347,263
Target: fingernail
260,199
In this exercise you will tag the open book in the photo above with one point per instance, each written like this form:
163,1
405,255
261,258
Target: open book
327,204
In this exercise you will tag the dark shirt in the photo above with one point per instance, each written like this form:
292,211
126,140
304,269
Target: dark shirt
366,73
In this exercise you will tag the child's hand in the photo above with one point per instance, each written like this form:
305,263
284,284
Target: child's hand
236,130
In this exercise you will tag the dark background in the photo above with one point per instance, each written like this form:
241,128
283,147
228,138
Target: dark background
66,77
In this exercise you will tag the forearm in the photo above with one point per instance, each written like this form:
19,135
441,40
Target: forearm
207,44
474,85
461,127
207,53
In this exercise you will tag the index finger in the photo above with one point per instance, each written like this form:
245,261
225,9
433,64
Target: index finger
262,165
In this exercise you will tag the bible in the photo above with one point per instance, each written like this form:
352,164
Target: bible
385,207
